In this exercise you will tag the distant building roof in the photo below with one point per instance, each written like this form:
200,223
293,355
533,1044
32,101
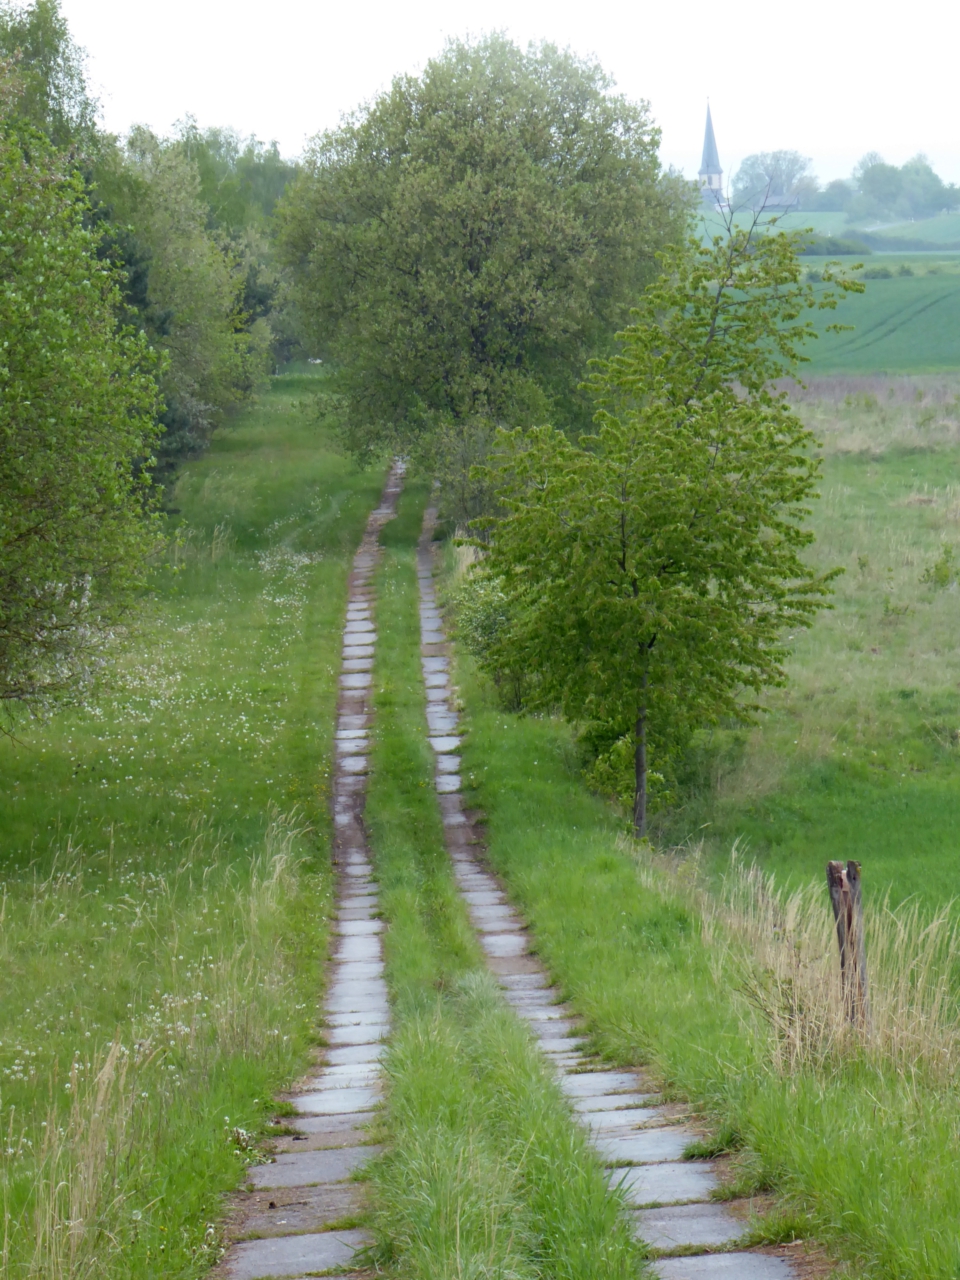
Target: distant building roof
711,157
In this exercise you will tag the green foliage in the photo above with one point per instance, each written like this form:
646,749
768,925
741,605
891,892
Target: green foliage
768,175
943,573
189,295
652,567
77,412
463,245
913,190
51,89
834,246
241,179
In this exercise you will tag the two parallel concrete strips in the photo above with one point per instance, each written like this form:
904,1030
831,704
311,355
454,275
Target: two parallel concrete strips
296,1201
669,1198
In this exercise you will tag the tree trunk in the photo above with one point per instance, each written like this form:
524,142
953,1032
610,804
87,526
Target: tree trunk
640,768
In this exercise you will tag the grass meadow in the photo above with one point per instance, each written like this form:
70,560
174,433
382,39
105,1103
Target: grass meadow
901,323
164,877
725,989
858,756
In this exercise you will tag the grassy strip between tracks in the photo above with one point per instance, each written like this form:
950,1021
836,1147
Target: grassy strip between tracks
729,995
163,872
485,1174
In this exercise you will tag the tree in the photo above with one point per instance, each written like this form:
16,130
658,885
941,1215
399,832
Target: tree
186,285
51,87
912,191
461,246
769,174
651,567
78,405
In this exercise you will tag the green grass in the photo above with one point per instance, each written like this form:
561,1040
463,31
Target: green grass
164,871
858,756
944,229
485,1174
861,1147
903,325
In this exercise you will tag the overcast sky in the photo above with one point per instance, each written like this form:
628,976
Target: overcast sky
831,79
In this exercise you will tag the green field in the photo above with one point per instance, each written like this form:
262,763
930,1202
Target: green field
859,756
907,324
942,230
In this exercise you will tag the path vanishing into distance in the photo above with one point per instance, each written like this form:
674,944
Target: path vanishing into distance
295,1200
295,1218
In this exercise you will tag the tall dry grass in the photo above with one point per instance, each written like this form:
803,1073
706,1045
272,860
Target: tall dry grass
778,949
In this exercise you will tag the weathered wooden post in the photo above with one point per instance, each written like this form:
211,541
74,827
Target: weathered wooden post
847,901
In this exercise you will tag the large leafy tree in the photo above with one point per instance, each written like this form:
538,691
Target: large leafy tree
769,174
51,86
78,406
651,567
460,247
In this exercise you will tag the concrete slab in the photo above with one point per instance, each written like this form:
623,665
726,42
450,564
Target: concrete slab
499,911
336,1102
541,1012
646,1147
358,664
356,680
373,1006
565,1045
446,742
524,981
309,1168
483,897
447,782
504,944
666,1183
353,969
351,928
349,1075
725,1266
611,1101
294,1255
358,1018
690,1225
448,763
347,721
353,764
439,721
592,1083
628,1118
348,1129
352,948
355,1054
356,1033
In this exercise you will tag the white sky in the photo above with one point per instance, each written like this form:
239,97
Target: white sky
831,79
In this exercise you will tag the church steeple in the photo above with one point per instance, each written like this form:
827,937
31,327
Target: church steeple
711,175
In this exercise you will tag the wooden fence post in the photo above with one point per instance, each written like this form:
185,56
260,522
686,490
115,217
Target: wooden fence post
847,902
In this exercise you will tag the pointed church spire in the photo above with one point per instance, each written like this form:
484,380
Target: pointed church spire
711,157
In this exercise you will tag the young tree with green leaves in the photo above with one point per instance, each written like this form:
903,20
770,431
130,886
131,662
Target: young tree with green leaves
78,411
463,245
652,567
